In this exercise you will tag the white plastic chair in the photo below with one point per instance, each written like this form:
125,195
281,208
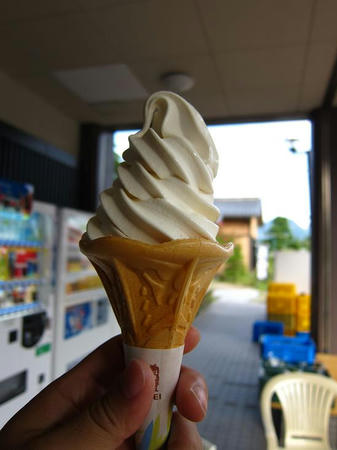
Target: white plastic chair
306,400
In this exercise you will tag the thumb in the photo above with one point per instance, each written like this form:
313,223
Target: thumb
108,422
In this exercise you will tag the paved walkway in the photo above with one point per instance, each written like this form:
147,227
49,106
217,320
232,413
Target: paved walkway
230,364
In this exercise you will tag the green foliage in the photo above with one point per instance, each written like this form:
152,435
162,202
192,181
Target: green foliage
279,234
235,270
235,267
281,237
221,239
306,243
117,160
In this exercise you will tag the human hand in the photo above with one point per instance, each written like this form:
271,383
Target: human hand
100,404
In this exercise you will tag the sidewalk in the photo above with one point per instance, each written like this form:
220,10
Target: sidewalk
229,361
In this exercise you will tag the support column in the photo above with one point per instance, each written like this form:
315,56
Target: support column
324,230
95,164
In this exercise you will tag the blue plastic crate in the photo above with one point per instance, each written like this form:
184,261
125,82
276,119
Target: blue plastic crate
266,327
288,349
305,335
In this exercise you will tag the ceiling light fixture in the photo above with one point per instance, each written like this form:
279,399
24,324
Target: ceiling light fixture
177,81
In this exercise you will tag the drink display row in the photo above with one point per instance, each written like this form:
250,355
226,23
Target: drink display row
18,226
18,296
18,262
77,262
84,284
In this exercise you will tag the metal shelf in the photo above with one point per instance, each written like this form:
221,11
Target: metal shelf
17,243
72,246
70,277
19,310
24,282
84,296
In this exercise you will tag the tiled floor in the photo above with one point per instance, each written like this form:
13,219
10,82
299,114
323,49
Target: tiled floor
230,363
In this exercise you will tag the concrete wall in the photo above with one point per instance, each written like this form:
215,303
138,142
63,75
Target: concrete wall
27,111
294,266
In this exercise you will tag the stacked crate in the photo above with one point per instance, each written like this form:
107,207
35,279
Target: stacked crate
282,305
303,313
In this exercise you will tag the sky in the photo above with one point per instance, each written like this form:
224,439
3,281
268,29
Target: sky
255,162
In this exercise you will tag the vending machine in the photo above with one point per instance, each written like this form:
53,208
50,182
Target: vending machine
83,315
26,296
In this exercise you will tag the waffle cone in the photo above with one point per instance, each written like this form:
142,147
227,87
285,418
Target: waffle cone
155,290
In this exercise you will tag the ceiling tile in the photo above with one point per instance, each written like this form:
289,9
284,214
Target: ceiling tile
156,28
246,24
53,92
320,61
96,4
18,10
258,47
211,105
262,101
119,113
325,22
61,42
277,67
16,56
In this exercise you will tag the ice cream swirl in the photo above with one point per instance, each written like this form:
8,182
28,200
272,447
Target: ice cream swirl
164,187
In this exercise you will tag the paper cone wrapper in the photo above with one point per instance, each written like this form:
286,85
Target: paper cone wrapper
165,365
155,292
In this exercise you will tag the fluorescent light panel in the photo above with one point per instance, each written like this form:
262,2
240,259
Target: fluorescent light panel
113,82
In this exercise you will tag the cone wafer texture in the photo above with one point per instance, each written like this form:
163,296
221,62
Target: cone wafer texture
155,290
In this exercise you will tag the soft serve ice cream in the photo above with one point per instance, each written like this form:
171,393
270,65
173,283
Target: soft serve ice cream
164,187
152,242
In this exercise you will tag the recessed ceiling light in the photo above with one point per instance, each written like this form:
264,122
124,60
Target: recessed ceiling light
177,81
113,82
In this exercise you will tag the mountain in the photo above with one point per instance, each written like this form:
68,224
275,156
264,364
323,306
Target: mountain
297,231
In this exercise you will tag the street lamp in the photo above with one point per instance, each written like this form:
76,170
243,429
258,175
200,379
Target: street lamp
292,148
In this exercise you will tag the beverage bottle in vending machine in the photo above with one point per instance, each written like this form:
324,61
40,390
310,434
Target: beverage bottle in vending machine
4,264
20,266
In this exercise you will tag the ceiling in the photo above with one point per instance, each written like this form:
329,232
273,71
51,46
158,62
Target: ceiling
248,58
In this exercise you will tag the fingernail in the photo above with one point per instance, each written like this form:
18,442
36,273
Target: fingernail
133,380
200,394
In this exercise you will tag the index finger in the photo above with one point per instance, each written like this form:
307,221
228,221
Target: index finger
192,339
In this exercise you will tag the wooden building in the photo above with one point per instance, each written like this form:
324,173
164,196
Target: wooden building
239,221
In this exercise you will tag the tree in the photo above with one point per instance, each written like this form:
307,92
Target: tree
235,270
281,237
